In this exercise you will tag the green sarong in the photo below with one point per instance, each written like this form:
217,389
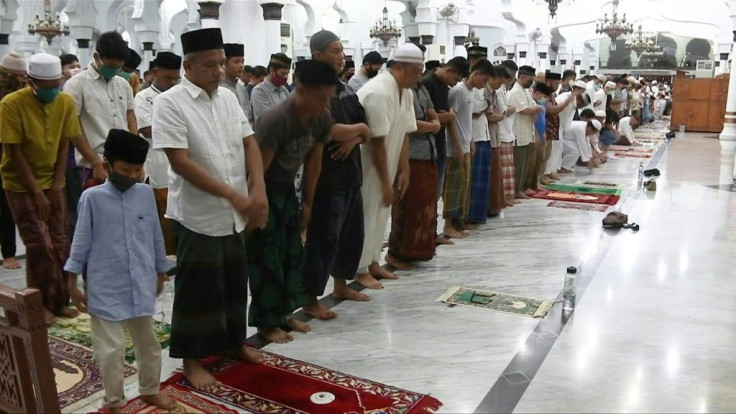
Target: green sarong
584,189
275,261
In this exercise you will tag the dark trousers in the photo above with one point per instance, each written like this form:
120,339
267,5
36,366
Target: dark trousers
73,192
334,238
7,227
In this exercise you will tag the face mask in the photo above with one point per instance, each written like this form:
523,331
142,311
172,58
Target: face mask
47,95
571,83
108,72
121,182
542,101
75,71
597,87
278,80
371,73
125,75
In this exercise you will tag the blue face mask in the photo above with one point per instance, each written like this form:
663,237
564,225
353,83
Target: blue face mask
125,75
47,95
108,72
542,101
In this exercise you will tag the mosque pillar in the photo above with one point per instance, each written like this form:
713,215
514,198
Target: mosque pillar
147,26
542,52
426,19
83,53
193,22
459,33
7,22
272,19
577,61
522,54
54,48
209,13
82,19
722,61
727,137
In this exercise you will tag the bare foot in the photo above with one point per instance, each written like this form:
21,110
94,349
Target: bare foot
529,192
565,171
250,355
522,196
379,272
113,410
470,226
198,377
398,263
48,317
555,176
454,233
11,263
160,400
319,311
275,335
368,281
298,325
346,293
68,313
439,240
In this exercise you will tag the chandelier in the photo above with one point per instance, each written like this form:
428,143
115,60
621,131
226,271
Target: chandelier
640,43
654,53
385,29
615,27
46,27
552,6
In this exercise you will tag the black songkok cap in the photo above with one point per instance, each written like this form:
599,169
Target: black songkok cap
372,58
552,76
543,89
134,59
167,60
527,70
234,50
314,73
279,61
124,146
477,52
203,39
432,64
349,64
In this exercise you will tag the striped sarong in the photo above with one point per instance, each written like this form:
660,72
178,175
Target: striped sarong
457,186
480,183
507,169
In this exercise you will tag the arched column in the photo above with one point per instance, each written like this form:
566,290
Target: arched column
272,20
209,13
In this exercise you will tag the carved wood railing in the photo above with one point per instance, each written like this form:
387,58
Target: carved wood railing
26,375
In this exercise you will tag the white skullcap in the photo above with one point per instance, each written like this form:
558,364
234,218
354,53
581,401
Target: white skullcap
596,124
631,79
408,53
654,82
580,84
14,61
600,114
610,84
601,77
44,67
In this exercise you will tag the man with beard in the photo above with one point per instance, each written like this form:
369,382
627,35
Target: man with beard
372,63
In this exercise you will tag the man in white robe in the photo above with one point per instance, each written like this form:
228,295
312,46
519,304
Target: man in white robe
389,105
577,143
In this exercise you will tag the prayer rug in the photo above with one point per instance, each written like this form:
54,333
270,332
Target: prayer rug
78,380
496,301
287,386
650,134
578,206
79,331
610,200
598,184
584,189
632,155
187,402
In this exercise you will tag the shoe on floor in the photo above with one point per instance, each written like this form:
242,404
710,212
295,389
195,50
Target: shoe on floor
651,185
653,172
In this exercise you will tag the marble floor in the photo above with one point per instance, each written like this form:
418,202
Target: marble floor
652,332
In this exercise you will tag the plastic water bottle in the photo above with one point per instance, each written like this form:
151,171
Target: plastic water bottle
640,180
568,292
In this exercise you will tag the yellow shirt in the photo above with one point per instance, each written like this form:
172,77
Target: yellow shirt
38,128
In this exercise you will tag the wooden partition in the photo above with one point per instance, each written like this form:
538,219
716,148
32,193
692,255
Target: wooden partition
27,382
699,104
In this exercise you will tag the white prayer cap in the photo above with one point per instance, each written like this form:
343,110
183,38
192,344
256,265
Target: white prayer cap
580,84
14,61
601,77
654,82
408,53
44,67
596,124
610,85
631,79
600,114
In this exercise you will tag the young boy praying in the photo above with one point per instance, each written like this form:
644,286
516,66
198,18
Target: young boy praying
118,239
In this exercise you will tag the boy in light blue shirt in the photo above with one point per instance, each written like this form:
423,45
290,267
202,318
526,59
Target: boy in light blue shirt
118,239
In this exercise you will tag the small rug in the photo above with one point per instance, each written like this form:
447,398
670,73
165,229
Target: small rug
283,385
600,184
79,331
495,301
650,134
624,148
575,188
187,402
78,380
578,206
610,200
632,155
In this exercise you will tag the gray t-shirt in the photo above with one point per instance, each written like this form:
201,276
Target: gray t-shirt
422,146
358,80
280,131
461,100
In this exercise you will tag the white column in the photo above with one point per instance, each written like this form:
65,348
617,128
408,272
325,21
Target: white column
209,13
722,57
728,135
523,54
82,16
272,20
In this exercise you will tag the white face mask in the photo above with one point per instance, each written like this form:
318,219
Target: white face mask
75,71
572,83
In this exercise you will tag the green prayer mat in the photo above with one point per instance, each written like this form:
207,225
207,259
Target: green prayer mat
584,189
79,331
496,301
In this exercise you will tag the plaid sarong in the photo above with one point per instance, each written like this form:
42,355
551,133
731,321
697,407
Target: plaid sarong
457,186
480,183
535,163
507,169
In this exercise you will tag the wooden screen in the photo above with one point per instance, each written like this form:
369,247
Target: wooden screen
699,104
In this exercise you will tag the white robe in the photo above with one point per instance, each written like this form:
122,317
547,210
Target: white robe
576,145
389,118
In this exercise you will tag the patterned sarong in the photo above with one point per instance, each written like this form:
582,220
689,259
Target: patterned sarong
275,261
497,200
508,173
457,186
480,183
414,218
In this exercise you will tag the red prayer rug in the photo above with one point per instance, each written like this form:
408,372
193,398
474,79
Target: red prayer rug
187,402
283,385
632,155
578,206
610,200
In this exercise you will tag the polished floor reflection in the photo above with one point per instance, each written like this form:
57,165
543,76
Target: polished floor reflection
654,330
